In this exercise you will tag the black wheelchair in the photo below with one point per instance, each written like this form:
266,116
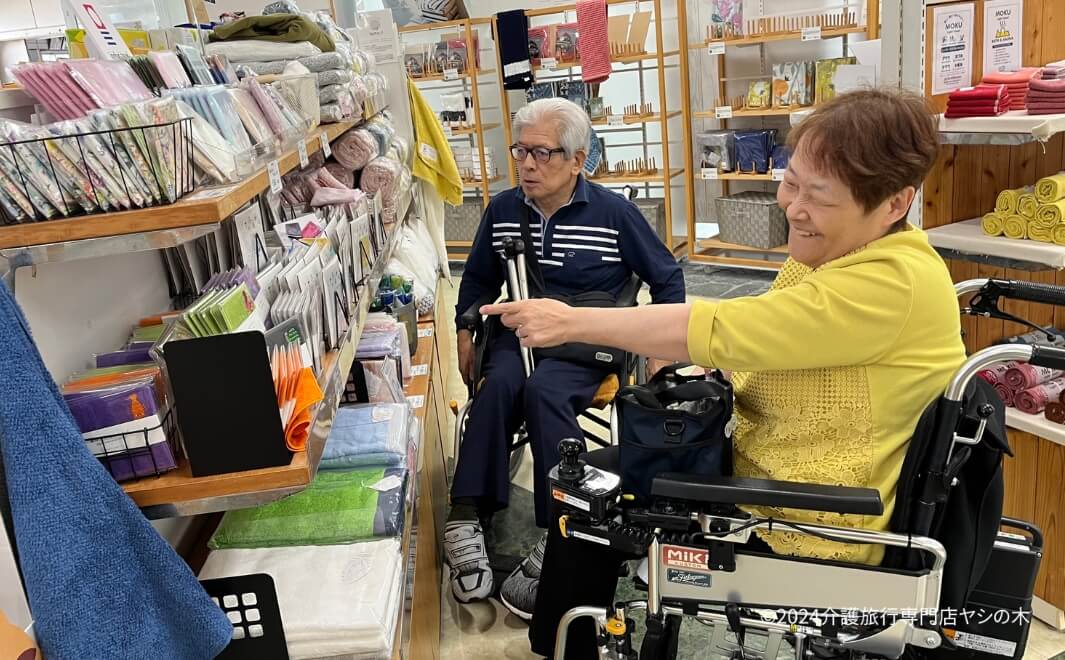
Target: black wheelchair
599,414
948,548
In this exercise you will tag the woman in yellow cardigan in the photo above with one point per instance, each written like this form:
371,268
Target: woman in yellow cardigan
834,365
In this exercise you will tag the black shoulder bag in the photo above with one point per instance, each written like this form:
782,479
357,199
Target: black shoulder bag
603,357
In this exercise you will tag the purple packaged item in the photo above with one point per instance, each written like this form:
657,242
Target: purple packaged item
142,462
123,357
111,406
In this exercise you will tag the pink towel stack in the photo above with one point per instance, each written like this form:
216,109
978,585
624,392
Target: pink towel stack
595,43
1046,96
1016,83
1035,399
1023,376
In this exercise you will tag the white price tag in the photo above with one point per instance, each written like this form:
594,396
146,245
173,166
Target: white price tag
615,120
811,33
419,370
723,112
416,401
275,176
323,142
715,48
777,174
548,63
390,482
709,174
302,149
451,74
425,332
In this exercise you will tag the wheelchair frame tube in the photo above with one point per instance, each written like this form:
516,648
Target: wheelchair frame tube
982,360
599,614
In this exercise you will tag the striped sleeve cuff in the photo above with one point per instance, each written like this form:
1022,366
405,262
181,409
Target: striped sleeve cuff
700,331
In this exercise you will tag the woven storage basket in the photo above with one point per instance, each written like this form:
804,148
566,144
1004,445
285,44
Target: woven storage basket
752,218
461,222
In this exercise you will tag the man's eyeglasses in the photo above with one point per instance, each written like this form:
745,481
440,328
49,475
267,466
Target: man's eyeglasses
541,154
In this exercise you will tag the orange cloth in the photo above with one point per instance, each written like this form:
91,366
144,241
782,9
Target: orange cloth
307,394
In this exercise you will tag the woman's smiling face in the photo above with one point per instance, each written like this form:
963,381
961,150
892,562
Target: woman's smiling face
825,220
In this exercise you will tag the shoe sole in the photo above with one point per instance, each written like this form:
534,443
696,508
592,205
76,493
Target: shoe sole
524,616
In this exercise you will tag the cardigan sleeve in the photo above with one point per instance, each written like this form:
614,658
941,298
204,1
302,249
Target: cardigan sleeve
833,318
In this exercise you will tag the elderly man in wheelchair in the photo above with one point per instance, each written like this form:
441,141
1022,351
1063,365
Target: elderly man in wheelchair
866,472
554,235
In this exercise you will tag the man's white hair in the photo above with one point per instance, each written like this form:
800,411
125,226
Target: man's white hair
572,122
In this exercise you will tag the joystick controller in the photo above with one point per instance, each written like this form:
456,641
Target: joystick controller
580,488
571,468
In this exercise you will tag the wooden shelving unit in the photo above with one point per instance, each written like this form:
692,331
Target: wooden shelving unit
478,184
474,130
203,206
635,178
616,59
439,77
632,121
714,251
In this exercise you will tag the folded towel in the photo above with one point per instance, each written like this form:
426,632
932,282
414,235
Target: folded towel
1047,85
1026,376
1011,77
1027,205
288,28
978,105
1059,234
381,173
1050,215
371,434
1055,412
340,506
1051,188
100,580
513,29
981,92
338,600
1035,399
1007,200
595,44
1006,393
255,50
1040,233
1041,95
1016,227
345,175
958,114
993,224
1046,110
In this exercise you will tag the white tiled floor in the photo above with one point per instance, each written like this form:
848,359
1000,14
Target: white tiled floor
487,631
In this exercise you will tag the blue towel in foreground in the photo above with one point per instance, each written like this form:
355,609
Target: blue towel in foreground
101,582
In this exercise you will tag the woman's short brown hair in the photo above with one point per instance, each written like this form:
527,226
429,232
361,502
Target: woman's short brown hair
877,141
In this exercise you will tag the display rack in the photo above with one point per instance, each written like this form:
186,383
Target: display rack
810,27
669,111
469,81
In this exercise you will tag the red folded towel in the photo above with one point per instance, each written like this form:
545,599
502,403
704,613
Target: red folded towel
595,44
1044,105
1047,85
978,103
1008,77
981,92
1035,399
1025,376
1006,393
1046,110
960,114
1040,94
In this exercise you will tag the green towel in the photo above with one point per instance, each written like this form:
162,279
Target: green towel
338,507
993,224
275,27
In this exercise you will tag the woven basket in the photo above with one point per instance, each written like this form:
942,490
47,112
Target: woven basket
461,222
654,211
752,218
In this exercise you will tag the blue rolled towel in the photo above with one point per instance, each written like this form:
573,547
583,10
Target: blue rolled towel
100,580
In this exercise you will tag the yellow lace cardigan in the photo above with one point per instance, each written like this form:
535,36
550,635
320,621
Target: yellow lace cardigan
832,368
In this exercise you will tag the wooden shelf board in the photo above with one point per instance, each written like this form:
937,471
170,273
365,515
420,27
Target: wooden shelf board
765,112
638,120
826,33
739,176
472,130
634,178
718,244
197,208
478,184
617,59
436,77
740,262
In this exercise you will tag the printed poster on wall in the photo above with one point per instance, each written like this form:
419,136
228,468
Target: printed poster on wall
1002,35
952,48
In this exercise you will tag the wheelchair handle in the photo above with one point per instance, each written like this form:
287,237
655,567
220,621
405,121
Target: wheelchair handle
985,358
1024,526
1037,292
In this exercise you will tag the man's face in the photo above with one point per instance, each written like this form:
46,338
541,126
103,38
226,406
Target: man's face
542,180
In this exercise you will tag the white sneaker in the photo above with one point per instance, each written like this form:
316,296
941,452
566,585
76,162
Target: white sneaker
465,554
518,591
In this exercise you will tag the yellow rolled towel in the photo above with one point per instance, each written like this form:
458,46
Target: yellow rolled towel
1059,235
1050,215
1050,189
1007,200
993,224
1016,227
1027,205
1041,234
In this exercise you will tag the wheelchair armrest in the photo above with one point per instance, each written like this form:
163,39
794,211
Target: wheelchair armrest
627,296
471,318
766,492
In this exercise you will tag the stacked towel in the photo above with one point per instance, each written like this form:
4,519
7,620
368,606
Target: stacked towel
1035,399
1024,376
371,434
287,28
381,174
1016,83
1046,97
993,224
1050,188
1027,205
355,149
982,101
1007,200
1016,227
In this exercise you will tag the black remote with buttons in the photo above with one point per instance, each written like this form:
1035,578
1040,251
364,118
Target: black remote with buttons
250,603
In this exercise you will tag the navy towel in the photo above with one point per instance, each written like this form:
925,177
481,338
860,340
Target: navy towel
513,29
101,582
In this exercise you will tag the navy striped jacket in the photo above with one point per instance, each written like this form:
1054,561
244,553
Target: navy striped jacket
593,243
